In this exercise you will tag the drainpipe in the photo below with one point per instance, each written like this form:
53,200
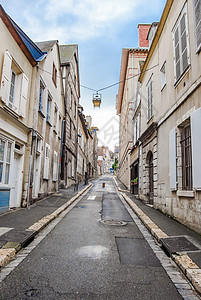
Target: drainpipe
76,162
61,151
30,165
133,98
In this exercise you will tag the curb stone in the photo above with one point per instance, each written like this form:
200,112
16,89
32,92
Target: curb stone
183,261
7,254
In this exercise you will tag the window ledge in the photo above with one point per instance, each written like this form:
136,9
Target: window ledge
188,194
48,122
41,113
181,77
162,88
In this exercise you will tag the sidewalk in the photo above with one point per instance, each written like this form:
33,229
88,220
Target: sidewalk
178,241
19,227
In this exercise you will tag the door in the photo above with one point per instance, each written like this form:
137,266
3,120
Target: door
16,182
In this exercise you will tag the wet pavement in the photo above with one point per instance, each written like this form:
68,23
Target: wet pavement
81,257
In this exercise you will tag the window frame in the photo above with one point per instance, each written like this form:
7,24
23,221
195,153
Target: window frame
49,109
180,52
197,47
163,75
55,124
6,163
186,153
41,97
54,74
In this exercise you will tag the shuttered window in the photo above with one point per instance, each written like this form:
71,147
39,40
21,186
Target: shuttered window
196,146
5,161
54,177
186,158
14,86
197,20
46,161
181,44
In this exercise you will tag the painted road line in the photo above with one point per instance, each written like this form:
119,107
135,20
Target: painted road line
91,198
4,230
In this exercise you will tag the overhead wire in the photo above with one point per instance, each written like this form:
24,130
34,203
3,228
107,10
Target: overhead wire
109,86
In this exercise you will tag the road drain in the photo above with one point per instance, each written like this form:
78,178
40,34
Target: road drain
113,222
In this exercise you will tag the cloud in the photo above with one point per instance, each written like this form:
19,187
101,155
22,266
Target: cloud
71,20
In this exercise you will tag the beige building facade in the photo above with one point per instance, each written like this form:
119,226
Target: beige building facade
128,106
17,66
170,176
71,85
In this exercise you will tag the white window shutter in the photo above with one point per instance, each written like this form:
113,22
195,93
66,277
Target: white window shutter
23,96
54,177
172,159
138,126
46,162
196,144
5,79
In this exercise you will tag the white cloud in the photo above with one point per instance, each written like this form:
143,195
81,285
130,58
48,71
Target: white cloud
68,20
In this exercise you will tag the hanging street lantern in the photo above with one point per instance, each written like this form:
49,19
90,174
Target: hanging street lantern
97,100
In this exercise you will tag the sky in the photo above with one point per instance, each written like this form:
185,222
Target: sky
101,28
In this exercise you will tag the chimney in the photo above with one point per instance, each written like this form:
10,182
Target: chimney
143,30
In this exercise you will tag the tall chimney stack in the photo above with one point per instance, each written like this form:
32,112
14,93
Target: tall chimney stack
143,30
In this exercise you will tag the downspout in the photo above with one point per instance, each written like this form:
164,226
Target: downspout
133,106
61,152
76,164
30,166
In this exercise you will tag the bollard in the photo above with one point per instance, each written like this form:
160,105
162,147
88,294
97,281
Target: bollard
103,184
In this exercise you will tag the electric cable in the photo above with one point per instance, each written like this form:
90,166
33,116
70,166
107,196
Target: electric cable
109,86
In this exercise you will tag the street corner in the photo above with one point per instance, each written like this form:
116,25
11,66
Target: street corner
6,255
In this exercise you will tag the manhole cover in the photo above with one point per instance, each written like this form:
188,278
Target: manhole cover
178,244
113,222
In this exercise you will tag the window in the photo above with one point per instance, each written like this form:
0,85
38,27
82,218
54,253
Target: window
181,44
55,118
197,19
5,161
49,106
60,126
54,177
163,75
12,89
41,96
186,158
46,161
150,98
54,75
14,86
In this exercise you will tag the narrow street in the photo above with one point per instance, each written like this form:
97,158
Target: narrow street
87,255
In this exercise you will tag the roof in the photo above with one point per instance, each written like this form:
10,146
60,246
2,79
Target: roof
28,47
46,46
67,52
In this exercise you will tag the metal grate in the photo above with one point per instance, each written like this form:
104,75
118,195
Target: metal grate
177,244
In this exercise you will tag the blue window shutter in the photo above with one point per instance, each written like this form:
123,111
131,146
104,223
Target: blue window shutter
196,146
172,159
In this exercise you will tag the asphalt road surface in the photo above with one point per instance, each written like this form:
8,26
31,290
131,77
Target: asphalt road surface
95,251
